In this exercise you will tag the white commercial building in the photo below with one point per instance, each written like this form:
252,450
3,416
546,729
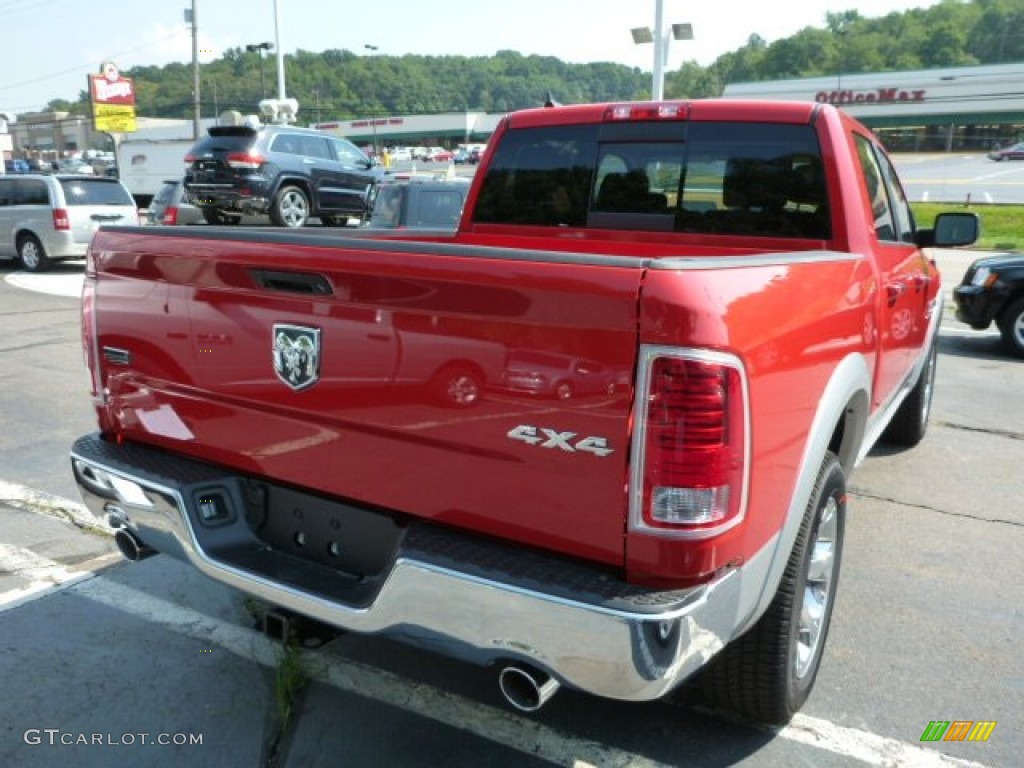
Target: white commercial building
952,109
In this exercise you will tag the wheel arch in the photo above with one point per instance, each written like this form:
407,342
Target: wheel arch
839,426
295,181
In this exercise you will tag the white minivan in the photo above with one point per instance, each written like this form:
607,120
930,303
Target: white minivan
47,218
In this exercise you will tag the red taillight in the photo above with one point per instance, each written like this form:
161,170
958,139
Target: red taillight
189,158
170,217
61,220
690,444
248,160
89,333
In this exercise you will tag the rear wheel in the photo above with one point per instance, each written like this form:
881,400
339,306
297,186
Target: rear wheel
290,207
767,674
1011,325
32,254
458,386
910,422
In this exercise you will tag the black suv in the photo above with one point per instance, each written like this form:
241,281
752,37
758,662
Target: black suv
287,172
993,289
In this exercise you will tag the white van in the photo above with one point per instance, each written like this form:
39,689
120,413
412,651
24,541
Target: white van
48,218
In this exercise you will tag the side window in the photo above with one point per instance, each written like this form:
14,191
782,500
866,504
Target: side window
32,193
286,143
347,153
315,146
540,177
900,206
885,225
6,192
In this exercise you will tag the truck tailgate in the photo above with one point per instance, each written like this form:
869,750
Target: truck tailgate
351,370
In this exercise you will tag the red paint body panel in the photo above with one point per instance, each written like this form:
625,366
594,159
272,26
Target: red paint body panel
373,429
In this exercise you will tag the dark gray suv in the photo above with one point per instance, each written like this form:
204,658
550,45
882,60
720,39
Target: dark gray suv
287,172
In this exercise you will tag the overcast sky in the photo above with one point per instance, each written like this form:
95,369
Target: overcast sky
49,46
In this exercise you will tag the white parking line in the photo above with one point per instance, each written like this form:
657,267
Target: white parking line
44,576
490,723
497,725
865,746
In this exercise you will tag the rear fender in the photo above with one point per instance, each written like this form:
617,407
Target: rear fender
839,425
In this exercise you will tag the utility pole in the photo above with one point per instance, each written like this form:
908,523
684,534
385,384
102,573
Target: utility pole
197,111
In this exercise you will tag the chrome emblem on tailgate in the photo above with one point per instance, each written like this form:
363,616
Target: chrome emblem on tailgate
297,355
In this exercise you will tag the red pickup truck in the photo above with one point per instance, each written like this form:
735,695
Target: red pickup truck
282,409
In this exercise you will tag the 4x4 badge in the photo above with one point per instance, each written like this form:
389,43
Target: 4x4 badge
297,355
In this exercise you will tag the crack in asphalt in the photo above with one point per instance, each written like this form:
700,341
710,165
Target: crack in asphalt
36,345
864,494
64,310
984,430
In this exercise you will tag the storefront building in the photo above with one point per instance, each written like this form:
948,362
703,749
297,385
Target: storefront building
959,109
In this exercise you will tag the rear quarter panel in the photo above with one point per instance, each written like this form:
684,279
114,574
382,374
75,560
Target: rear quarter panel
791,319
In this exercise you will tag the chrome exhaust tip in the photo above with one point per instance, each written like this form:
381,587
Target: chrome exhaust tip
525,688
130,546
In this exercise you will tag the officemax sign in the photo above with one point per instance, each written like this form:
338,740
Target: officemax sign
876,95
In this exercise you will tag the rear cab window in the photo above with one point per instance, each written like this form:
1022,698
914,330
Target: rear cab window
746,179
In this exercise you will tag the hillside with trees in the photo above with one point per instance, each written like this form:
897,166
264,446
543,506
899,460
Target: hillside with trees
339,84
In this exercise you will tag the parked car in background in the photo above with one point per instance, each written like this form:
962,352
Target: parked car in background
419,203
169,206
38,165
548,374
1012,152
47,218
75,165
16,165
438,155
993,290
287,172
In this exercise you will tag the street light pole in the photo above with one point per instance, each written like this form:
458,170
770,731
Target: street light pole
373,117
660,52
197,115
280,54
661,38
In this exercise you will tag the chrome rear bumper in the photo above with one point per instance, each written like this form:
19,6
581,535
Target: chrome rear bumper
461,596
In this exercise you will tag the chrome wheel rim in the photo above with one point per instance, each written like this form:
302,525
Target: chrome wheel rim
463,390
293,209
30,255
1018,330
821,569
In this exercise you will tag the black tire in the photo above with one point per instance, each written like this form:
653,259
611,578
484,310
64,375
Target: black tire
290,207
909,424
768,673
1011,326
32,254
458,386
220,218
